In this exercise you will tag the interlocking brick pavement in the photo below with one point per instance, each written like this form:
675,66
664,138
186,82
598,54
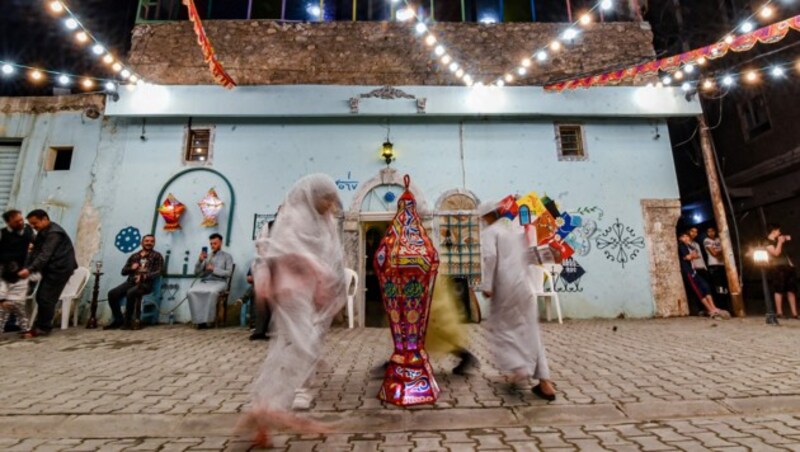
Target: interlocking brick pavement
676,384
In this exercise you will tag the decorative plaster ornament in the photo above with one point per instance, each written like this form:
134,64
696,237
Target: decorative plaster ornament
407,263
171,210
210,206
128,239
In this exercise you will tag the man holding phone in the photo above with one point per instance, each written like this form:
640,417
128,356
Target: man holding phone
782,272
141,269
213,270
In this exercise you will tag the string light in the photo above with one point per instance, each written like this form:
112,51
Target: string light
7,69
439,50
521,71
766,12
708,84
63,80
727,80
509,78
778,71
751,76
747,27
83,36
541,55
555,46
728,39
666,80
111,86
453,67
689,68
430,40
421,28
38,75
678,75
606,5
586,19
686,87
87,83
526,62
570,34
56,7
446,59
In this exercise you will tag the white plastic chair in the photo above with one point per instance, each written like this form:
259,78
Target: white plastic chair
550,270
73,291
352,287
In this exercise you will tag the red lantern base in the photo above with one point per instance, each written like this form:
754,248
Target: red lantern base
409,380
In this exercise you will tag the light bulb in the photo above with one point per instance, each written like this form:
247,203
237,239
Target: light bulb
63,79
727,80
509,78
606,5
679,75
708,84
460,73
421,28
110,86
747,27
701,61
116,67
71,23
37,75
500,83
689,68
555,46
134,78
453,66
570,34
404,14
108,59
97,49
430,40
467,79
446,59
87,83
666,80
728,39
125,74
526,62
81,37
439,50
7,69
56,7
541,55
778,71
521,71
751,76
586,19
686,87
314,11
766,12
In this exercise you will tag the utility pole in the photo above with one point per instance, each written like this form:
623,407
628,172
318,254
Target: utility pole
721,218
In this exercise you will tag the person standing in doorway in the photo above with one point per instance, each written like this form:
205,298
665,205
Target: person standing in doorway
697,284
716,266
54,257
782,271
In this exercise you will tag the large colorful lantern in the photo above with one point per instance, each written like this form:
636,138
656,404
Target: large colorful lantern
171,210
406,263
210,206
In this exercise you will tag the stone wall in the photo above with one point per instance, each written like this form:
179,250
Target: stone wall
52,104
263,52
660,218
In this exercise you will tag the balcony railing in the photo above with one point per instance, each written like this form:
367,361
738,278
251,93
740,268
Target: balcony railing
486,11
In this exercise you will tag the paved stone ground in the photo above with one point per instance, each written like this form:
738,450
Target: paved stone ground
678,384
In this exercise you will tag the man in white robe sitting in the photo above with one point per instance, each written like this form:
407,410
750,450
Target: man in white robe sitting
213,272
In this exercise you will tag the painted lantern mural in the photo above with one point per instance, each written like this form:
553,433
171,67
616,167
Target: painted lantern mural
406,263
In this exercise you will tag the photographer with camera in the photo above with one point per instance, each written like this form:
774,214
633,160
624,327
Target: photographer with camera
782,272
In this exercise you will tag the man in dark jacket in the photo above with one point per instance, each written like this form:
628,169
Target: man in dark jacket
54,257
142,269
15,239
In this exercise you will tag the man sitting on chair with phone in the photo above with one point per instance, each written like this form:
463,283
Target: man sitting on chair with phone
213,271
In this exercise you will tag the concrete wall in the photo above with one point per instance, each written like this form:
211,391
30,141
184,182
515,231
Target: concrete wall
122,164
263,52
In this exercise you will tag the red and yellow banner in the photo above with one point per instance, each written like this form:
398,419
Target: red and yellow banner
217,71
766,35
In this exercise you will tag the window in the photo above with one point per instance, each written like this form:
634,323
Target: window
571,144
754,116
198,144
459,238
59,159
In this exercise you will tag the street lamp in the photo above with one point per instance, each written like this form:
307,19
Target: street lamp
761,258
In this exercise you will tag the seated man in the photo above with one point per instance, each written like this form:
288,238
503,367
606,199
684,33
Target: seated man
142,269
213,271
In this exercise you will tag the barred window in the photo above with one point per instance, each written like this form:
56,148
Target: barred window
459,237
571,143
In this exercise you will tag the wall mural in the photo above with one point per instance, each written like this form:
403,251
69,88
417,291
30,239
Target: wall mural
128,239
620,243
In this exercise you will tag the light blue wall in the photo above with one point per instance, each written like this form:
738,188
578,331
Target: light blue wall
121,175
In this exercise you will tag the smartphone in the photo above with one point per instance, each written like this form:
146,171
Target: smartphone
204,250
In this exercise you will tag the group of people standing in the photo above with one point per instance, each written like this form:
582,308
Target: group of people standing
46,255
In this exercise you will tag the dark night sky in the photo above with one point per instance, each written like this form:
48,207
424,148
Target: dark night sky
31,35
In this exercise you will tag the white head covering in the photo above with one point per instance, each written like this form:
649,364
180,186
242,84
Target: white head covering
301,234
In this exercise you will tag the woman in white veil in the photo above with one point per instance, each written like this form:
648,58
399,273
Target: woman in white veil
299,271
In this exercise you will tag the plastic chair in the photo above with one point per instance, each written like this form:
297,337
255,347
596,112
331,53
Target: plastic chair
550,270
73,291
149,311
352,287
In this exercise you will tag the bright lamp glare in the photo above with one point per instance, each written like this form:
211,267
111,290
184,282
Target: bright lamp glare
747,27
71,23
606,5
63,80
421,28
7,69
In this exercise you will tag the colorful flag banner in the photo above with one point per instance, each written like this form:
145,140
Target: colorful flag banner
217,71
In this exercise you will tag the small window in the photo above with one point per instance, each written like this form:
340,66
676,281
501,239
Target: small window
198,145
755,117
59,159
571,145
